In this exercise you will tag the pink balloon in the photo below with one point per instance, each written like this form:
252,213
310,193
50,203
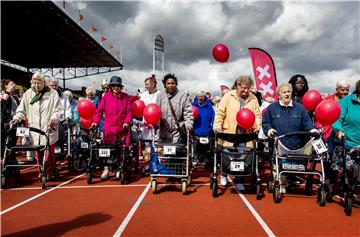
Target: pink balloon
152,114
138,108
86,109
327,112
195,112
221,53
311,99
86,123
245,118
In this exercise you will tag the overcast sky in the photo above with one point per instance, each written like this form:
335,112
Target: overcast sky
319,39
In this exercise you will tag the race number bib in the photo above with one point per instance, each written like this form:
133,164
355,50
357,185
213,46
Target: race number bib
169,150
237,166
204,140
104,152
22,132
319,146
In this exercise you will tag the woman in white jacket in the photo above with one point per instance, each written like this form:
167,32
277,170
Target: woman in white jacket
42,108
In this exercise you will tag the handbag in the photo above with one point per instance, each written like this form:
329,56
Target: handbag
181,128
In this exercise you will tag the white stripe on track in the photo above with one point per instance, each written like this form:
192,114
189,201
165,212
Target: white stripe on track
102,186
127,219
38,195
255,214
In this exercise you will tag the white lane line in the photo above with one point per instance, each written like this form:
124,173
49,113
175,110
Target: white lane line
38,195
101,186
127,219
255,214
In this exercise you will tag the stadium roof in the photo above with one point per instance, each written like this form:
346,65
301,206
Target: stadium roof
38,34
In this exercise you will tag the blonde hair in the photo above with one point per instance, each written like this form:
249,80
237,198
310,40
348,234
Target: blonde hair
90,90
244,79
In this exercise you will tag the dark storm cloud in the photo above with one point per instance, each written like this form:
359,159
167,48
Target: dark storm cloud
113,11
319,39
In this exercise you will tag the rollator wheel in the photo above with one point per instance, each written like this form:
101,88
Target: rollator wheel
214,189
270,186
89,177
276,195
348,204
321,197
183,186
154,185
122,178
43,181
258,191
79,165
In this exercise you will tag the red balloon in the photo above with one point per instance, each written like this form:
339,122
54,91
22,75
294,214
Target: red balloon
311,99
86,109
86,123
152,114
327,112
195,112
138,108
245,118
221,53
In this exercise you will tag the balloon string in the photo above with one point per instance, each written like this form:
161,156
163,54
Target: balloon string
230,68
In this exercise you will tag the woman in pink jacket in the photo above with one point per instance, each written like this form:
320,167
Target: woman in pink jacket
116,108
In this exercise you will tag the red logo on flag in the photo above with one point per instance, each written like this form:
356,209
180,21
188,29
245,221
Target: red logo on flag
264,72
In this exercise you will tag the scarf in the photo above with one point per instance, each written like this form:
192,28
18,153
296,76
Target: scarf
38,94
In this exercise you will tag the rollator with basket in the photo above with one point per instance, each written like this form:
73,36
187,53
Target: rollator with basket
302,161
139,152
235,161
79,152
171,161
10,165
116,156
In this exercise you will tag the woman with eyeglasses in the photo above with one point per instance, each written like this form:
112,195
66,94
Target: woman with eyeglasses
116,108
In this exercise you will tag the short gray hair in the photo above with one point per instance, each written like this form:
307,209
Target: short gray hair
342,83
53,80
37,76
281,86
68,94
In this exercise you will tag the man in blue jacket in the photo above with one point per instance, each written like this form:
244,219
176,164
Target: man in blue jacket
203,125
286,116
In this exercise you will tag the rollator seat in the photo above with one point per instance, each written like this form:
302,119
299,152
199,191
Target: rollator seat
28,148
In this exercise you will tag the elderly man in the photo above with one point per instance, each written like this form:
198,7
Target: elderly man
176,111
42,108
286,116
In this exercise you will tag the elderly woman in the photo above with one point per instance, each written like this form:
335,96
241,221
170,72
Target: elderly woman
230,104
115,106
42,108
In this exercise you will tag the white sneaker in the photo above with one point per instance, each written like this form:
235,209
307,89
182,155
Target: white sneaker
105,174
223,180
